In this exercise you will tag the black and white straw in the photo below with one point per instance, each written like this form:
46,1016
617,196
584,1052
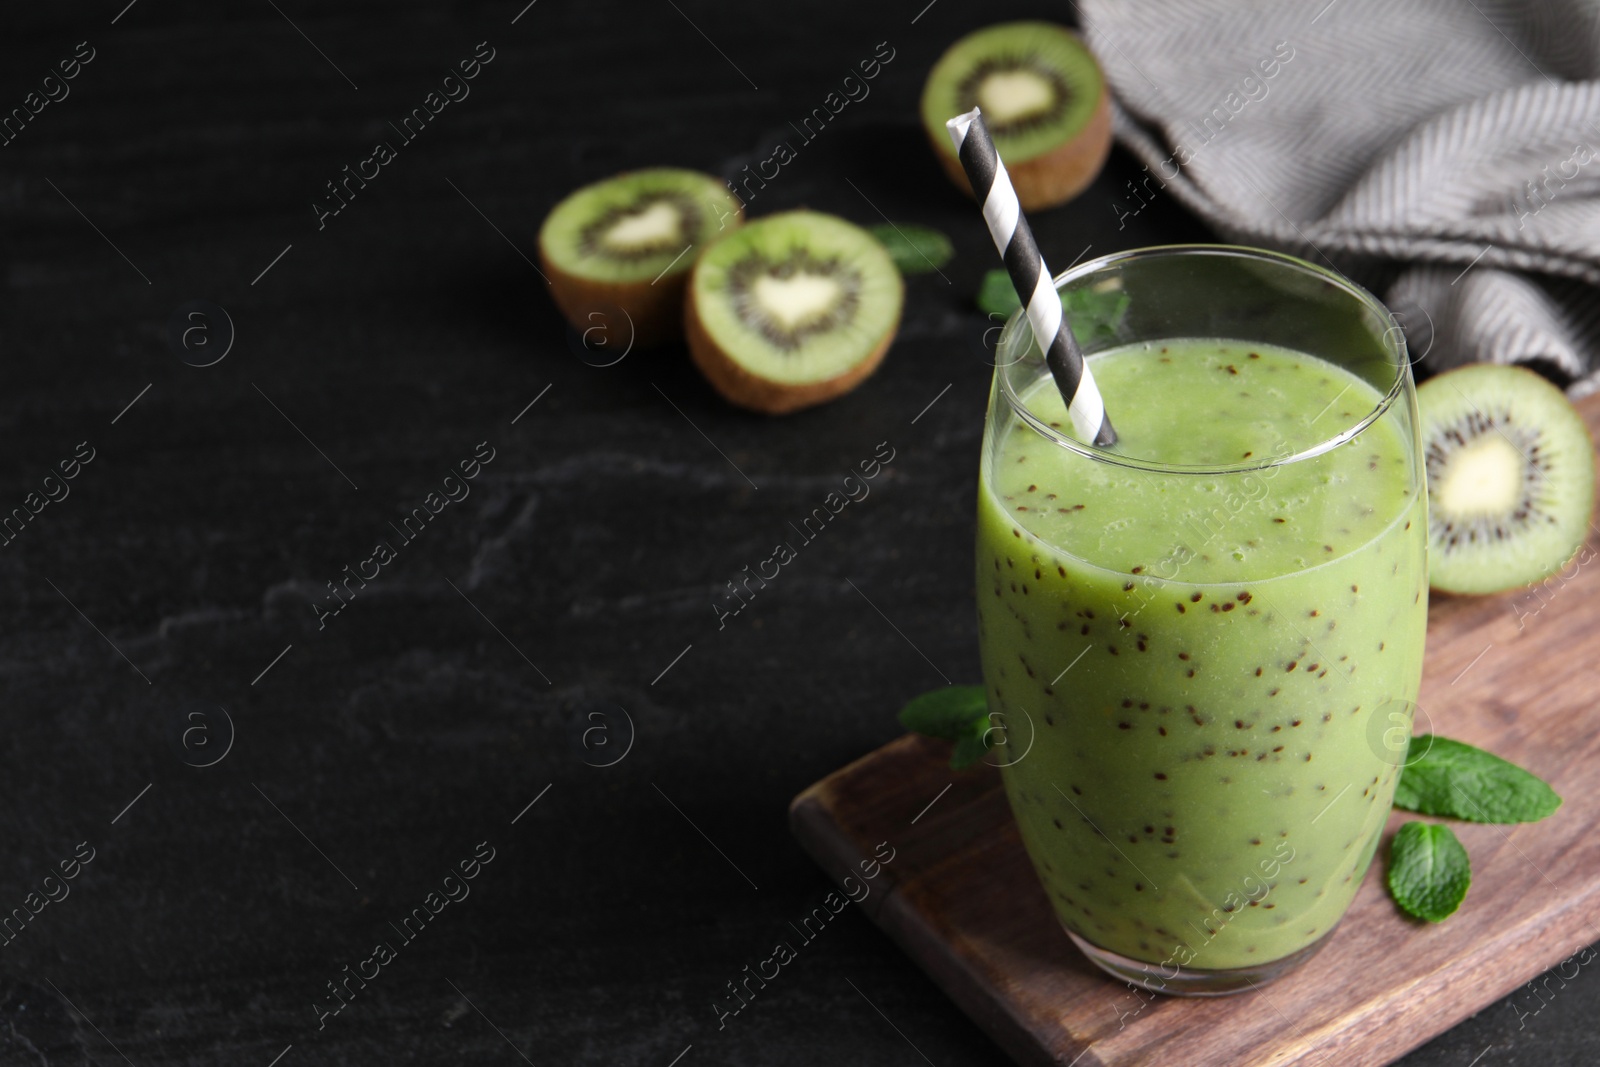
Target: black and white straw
1035,286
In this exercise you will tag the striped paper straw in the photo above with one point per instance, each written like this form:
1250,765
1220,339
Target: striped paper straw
1032,279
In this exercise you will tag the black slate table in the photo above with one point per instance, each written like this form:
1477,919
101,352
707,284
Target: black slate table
253,792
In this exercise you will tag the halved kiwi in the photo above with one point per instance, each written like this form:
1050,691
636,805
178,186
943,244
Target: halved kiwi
792,310
1044,101
629,242
1510,478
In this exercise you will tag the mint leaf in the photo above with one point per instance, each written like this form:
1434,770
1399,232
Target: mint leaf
997,296
1093,315
948,713
1445,777
1428,871
971,747
914,249
958,713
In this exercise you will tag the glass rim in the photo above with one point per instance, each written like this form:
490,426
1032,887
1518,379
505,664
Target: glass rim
1280,259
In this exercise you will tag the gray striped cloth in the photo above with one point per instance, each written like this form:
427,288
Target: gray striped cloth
1446,153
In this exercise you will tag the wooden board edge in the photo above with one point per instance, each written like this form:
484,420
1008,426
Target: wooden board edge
1435,1002
812,822
997,1017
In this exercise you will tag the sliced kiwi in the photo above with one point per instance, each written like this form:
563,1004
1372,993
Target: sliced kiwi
1044,101
792,310
1510,478
629,242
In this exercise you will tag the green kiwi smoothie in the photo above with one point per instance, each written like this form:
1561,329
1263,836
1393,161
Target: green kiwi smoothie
1195,671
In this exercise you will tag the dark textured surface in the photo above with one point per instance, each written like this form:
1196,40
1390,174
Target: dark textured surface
381,749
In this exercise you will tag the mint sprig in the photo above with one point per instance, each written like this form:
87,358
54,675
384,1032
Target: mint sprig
914,249
1429,872
958,713
1094,315
1451,778
1428,868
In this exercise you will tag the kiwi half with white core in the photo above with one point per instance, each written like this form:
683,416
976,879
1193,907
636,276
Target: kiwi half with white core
792,310
1044,101
1510,470
629,242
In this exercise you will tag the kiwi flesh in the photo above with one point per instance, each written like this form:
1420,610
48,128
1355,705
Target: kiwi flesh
1044,100
792,310
1510,469
629,242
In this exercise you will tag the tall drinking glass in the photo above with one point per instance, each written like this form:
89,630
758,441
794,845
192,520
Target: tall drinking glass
1203,645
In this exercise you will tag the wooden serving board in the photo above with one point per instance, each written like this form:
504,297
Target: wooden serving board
1514,674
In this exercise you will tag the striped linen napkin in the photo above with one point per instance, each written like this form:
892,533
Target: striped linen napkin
1446,153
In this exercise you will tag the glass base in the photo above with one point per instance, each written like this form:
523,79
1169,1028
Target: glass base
1193,982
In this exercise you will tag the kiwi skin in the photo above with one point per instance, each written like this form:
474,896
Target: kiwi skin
1057,176
739,387
654,310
